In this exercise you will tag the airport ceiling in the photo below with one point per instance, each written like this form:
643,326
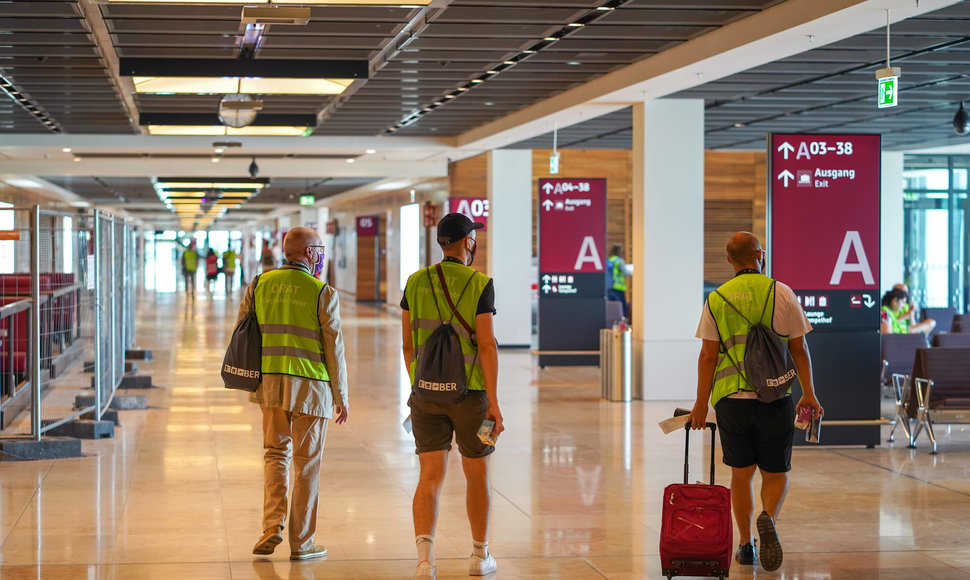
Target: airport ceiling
59,66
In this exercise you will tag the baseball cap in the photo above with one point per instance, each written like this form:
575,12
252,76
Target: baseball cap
454,227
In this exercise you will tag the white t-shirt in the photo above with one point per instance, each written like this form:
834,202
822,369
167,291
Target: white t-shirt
789,319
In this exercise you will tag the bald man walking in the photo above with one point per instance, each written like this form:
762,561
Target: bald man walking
755,436
304,383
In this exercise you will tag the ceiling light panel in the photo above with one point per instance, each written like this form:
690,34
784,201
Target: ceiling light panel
279,2
213,131
230,85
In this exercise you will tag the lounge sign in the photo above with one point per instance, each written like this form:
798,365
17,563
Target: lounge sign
824,203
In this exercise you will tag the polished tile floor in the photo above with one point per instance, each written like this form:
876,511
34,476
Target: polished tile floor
576,481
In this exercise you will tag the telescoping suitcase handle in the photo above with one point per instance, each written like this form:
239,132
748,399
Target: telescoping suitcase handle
709,425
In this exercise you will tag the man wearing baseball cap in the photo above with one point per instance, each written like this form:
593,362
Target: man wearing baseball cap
424,306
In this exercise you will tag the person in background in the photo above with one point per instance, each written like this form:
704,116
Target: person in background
211,270
267,259
304,384
190,265
229,269
909,313
617,272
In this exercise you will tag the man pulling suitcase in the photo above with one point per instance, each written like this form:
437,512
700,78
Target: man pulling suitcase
755,435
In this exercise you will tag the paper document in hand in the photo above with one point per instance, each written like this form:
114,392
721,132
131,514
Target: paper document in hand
674,423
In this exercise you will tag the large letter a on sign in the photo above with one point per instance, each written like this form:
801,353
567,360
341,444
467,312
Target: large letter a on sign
588,253
852,240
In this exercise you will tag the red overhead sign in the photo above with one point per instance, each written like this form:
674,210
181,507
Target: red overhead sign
823,222
572,232
367,226
474,208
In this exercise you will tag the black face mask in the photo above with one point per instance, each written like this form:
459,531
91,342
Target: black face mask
473,251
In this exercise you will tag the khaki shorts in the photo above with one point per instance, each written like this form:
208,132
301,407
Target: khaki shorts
433,425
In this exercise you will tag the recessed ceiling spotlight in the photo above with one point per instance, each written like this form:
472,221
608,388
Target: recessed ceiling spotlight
491,72
215,160
739,124
219,150
350,160
462,89
550,39
66,150
371,151
574,63
528,51
605,8
488,103
449,96
477,81
77,160
576,24
508,62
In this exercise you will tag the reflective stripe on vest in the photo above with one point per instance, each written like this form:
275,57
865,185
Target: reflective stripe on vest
287,303
747,293
619,276
425,318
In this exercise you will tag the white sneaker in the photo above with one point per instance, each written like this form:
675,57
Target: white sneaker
478,566
425,570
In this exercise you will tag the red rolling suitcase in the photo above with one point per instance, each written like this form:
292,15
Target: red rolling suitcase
696,534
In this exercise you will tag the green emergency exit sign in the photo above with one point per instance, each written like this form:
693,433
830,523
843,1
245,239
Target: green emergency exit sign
888,91
308,200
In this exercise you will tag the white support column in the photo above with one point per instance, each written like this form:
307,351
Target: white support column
891,219
510,243
668,245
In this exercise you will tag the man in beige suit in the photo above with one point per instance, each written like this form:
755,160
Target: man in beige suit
304,382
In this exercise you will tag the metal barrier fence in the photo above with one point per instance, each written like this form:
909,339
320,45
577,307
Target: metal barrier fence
66,316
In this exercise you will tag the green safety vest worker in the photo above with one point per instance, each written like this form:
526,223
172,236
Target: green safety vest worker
287,305
615,266
747,292
191,260
229,261
899,326
424,313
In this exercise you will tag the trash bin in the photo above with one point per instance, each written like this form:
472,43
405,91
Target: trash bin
616,364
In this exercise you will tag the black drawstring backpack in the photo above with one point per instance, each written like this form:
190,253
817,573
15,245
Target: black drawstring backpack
439,375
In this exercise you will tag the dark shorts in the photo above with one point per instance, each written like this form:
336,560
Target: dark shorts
434,423
756,433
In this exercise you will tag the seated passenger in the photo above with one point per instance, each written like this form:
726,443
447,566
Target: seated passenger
895,317
910,314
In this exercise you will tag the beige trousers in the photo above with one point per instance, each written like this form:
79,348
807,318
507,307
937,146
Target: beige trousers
289,435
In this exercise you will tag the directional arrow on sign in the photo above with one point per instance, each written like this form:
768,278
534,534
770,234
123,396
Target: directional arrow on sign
547,205
546,278
787,176
786,148
546,288
547,187
868,301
